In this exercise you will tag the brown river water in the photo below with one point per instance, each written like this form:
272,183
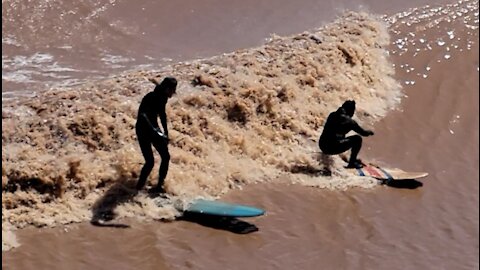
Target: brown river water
417,88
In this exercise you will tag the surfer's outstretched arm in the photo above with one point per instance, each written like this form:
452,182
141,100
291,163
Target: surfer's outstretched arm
358,129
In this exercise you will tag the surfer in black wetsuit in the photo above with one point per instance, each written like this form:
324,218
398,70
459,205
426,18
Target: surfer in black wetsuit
339,123
148,132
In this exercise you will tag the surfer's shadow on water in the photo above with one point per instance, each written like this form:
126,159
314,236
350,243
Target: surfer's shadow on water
324,168
311,170
402,184
103,209
123,191
230,224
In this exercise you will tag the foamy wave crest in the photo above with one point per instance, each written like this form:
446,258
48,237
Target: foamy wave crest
115,61
249,116
23,69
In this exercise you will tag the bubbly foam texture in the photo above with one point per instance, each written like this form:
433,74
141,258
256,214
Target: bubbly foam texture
253,115
9,240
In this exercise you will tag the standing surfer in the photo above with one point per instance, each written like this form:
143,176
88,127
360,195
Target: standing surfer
148,131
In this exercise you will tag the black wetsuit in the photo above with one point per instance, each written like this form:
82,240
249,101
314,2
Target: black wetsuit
333,140
152,106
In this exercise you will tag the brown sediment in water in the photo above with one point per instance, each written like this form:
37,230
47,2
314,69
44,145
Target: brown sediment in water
243,117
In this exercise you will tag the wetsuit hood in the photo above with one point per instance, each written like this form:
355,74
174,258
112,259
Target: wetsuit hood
348,107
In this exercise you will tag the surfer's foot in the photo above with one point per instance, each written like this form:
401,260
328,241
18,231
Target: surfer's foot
157,190
356,164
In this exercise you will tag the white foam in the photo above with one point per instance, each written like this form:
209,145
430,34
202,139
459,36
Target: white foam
115,61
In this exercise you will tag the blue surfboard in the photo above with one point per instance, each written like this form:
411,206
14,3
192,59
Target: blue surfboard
218,208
